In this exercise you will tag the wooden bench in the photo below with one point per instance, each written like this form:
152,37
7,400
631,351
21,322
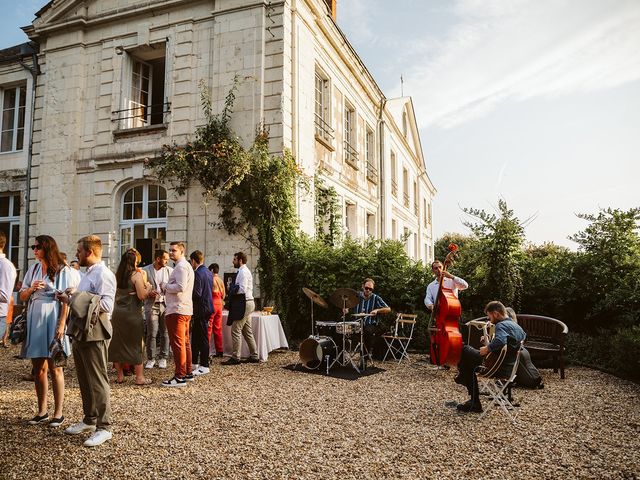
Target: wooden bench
546,338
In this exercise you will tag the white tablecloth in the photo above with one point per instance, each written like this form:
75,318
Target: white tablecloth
267,330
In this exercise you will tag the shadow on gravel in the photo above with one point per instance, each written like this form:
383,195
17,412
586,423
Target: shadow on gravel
343,373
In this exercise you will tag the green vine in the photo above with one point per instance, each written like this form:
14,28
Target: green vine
327,219
254,189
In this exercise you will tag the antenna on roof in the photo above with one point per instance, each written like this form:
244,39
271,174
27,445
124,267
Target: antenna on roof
401,86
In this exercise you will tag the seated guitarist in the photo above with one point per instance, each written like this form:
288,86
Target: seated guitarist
471,358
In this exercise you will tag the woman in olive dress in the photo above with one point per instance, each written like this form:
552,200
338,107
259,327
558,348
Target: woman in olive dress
126,344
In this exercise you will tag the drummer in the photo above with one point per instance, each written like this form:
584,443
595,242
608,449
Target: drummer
374,305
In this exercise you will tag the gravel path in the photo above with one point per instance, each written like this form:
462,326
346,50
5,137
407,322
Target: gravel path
264,421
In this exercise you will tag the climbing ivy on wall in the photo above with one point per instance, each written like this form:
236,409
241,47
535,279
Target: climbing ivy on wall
255,189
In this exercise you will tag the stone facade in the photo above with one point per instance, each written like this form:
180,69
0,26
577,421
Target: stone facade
120,78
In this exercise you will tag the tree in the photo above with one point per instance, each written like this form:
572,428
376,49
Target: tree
500,239
607,272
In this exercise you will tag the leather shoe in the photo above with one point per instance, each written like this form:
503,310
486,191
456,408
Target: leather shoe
231,361
470,406
252,360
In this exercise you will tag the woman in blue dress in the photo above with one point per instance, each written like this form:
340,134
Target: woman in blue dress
46,321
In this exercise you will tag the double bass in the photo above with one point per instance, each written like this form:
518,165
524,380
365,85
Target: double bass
445,336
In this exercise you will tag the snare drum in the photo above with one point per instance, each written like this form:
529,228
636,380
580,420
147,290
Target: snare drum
313,351
348,328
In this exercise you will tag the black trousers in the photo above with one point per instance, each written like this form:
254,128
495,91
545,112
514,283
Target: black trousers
200,341
469,361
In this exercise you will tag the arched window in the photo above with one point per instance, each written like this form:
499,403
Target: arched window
405,126
143,214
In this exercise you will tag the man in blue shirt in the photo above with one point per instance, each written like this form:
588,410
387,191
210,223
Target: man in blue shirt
374,305
505,329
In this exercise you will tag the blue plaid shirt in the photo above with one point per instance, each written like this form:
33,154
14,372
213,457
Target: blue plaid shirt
374,302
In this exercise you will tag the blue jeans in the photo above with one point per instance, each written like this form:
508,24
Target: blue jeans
3,326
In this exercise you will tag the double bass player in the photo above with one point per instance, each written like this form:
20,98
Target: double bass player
450,281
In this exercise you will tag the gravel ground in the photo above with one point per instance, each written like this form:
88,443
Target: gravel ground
263,421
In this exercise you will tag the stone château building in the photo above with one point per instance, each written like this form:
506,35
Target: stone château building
117,79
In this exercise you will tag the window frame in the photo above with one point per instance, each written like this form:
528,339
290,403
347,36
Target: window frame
322,107
129,225
350,134
21,94
12,250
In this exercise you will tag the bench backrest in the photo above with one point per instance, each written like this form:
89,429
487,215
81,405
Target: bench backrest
543,328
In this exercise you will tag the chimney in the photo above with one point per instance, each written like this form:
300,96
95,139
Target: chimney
331,5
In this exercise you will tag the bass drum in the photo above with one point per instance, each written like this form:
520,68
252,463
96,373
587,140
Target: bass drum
313,351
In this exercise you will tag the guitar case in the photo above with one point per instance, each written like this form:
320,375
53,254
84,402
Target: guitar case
528,375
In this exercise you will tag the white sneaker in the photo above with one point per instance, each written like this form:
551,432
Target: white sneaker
79,427
150,364
162,363
201,371
98,438
194,367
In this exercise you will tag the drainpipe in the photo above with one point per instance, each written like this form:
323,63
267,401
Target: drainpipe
34,69
381,186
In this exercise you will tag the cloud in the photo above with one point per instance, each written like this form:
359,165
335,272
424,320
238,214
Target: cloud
519,49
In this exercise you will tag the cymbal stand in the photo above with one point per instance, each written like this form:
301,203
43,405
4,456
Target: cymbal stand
313,323
344,354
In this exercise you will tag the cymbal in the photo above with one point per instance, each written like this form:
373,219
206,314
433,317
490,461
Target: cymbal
317,299
344,297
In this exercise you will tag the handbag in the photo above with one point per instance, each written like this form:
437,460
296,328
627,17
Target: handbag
18,332
58,355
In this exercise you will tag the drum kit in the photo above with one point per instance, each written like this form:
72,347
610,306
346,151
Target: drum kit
319,349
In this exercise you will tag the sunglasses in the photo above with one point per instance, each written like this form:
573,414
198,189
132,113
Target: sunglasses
368,289
36,247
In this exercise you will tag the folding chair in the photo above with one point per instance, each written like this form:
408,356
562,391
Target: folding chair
497,384
398,342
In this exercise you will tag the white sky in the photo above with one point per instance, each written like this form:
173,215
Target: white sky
533,101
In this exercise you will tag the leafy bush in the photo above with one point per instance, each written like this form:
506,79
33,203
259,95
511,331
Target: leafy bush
400,281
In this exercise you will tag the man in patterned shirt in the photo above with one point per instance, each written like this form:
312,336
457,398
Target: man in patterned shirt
374,305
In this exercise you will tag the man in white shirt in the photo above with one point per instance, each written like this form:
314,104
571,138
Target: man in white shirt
7,281
90,353
450,281
155,307
177,292
242,327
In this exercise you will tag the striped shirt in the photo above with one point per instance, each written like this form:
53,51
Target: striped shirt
374,302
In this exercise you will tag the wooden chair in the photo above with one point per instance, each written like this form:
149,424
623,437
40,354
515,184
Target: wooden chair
398,342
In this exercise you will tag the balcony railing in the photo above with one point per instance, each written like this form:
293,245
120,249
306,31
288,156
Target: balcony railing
323,129
142,115
406,199
416,209
372,173
350,155
394,188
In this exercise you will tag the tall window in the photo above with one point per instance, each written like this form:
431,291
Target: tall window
10,225
405,187
404,124
323,108
351,219
350,152
144,95
143,215
394,175
370,155
416,208
13,106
